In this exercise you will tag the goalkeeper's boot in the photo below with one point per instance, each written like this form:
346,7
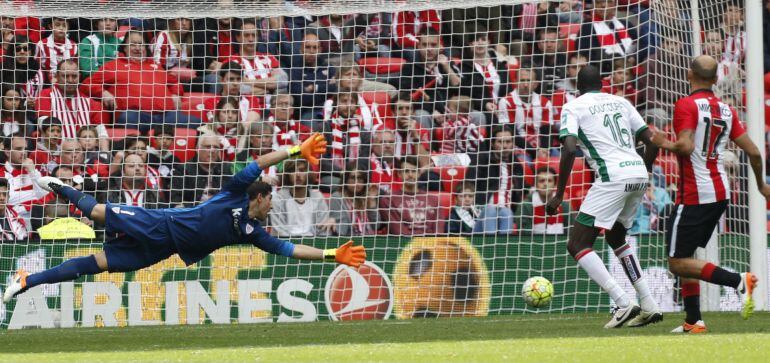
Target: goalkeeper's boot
745,289
621,315
698,328
17,285
645,318
51,184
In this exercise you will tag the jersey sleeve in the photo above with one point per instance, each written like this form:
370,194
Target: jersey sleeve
569,123
271,244
244,178
736,130
685,115
635,120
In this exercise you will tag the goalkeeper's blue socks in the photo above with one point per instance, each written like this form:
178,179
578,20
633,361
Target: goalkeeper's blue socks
82,201
68,270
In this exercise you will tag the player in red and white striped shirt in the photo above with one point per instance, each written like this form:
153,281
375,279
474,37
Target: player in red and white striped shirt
528,111
55,48
65,102
704,125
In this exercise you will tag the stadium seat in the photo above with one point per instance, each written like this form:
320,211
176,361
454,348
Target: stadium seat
193,104
120,133
381,65
379,101
445,201
451,176
185,141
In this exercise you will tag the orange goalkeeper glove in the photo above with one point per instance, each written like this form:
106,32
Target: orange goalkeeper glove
314,145
347,254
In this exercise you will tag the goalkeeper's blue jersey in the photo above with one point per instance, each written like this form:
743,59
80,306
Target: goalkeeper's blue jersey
221,221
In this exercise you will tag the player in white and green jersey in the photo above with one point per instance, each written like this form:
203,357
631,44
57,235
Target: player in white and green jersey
607,128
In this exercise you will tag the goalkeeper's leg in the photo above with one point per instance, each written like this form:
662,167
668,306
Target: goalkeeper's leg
616,238
84,202
67,271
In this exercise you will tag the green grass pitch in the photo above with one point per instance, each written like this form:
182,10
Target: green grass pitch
519,338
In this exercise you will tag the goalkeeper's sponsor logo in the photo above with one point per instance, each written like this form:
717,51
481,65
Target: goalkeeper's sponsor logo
361,294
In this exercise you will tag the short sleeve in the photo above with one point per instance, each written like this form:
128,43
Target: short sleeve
685,115
736,129
635,120
569,123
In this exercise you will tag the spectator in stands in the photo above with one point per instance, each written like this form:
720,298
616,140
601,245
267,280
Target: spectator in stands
484,78
462,218
13,227
89,140
47,145
298,210
453,132
529,112
650,216
531,216
56,48
499,181
262,72
606,37
12,112
409,212
86,177
286,130
6,34
219,40
100,47
22,71
139,146
137,90
276,37
411,138
260,142
309,78
570,11
373,39
228,125
382,161
172,48
162,158
129,187
335,36
666,76
735,34
202,176
231,84
431,78
408,24
766,28
621,82
346,124
21,173
353,208
348,79
64,101
566,89
549,59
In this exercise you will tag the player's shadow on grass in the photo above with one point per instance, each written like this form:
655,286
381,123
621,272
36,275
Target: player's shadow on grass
394,331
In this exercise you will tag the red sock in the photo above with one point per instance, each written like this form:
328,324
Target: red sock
707,272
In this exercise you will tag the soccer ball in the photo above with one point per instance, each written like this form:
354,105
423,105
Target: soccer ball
537,291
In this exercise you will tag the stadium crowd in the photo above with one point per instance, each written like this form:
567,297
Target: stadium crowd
438,121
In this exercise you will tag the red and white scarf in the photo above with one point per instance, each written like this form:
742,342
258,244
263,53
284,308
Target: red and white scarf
292,135
491,78
608,37
73,112
503,196
359,220
542,223
370,117
346,133
133,197
735,46
459,135
17,227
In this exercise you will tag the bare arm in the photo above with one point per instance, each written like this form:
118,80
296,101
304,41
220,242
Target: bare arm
650,149
568,152
755,160
683,146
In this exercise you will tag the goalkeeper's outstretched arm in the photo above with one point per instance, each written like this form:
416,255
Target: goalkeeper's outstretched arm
314,145
346,254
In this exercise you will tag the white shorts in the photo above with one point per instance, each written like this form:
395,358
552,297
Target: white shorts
612,202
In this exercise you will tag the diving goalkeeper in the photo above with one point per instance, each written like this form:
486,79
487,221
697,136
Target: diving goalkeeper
146,237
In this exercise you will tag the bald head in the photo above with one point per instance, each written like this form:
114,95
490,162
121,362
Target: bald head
589,79
704,69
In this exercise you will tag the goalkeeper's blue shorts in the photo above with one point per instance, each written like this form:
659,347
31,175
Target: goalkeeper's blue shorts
142,240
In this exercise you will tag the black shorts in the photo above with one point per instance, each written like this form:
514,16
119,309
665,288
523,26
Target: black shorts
691,226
